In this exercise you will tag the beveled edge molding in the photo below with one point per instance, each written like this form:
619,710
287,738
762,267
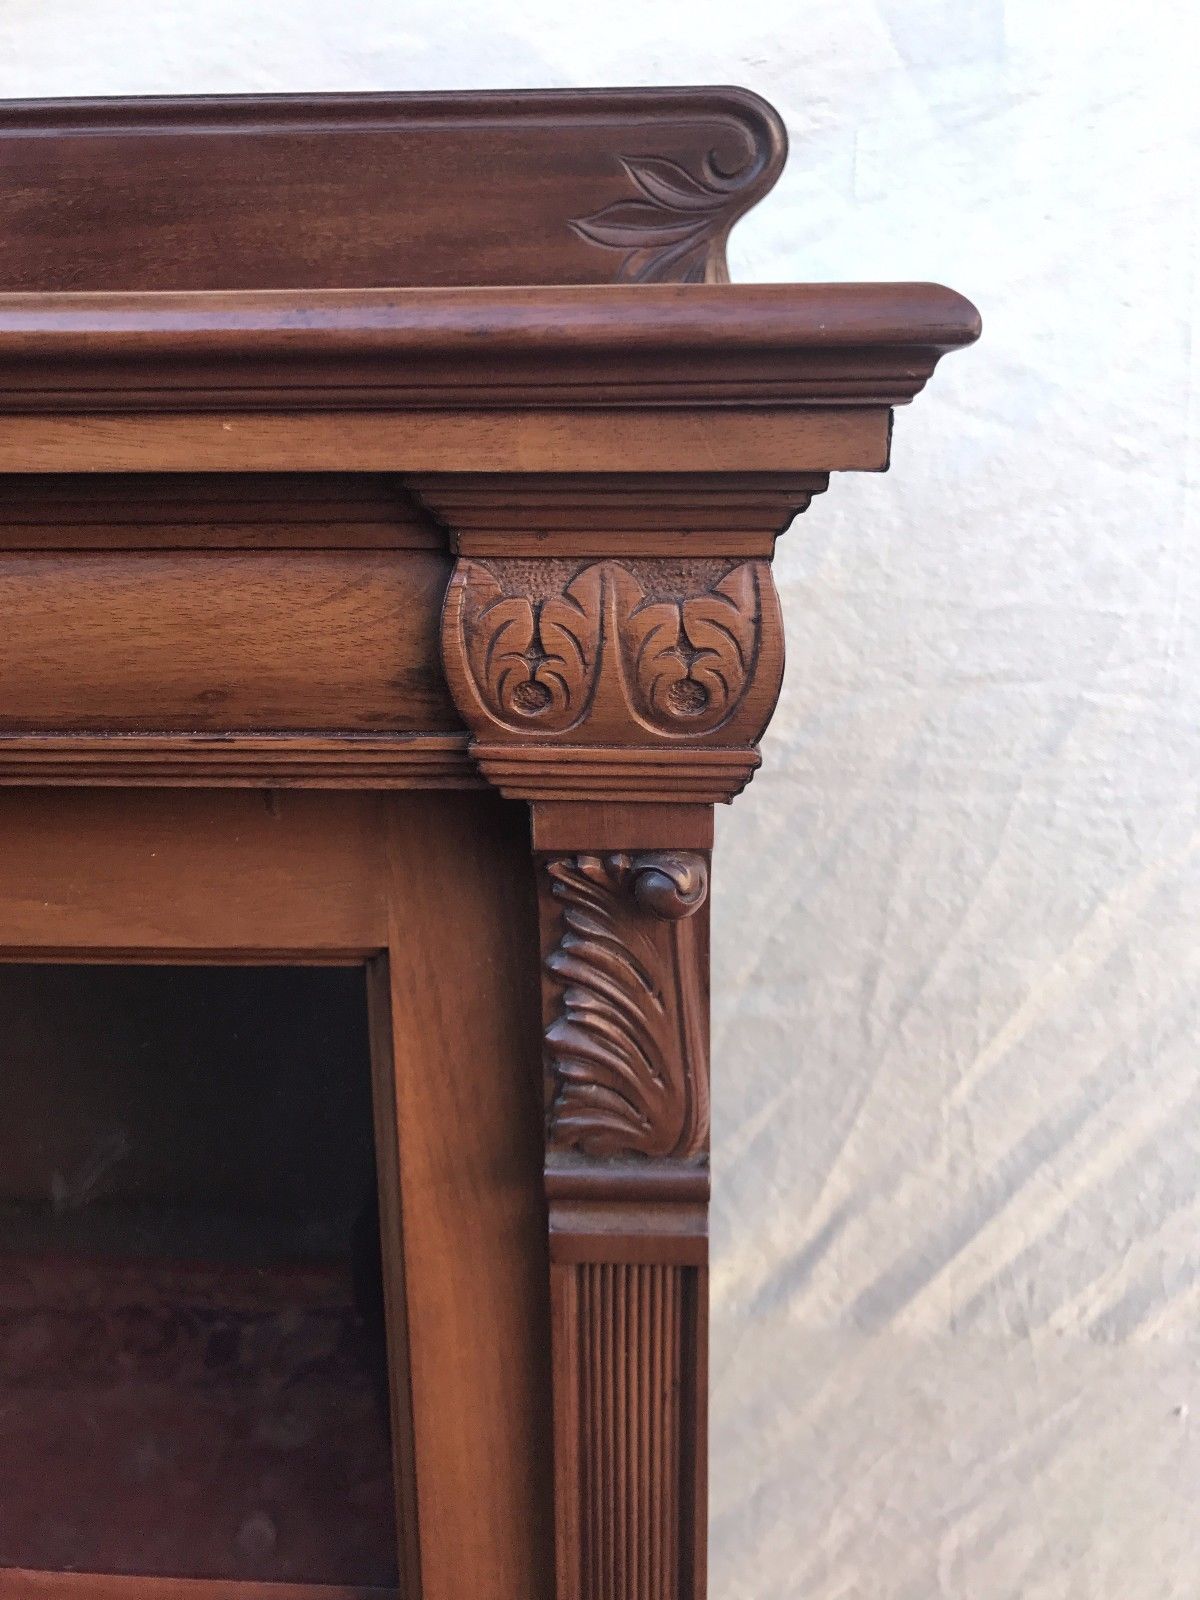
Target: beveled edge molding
593,772
248,511
239,760
25,1583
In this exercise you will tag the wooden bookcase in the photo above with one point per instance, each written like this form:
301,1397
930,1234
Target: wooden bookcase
388,492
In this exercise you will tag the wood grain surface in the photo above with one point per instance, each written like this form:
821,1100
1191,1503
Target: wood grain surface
438,898
222,640
566,186
468,1083
213,511
199,875
254,429
239,760
548,440
19,1584
579,348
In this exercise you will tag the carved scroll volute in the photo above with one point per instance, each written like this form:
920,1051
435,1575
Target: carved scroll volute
522,647
670,224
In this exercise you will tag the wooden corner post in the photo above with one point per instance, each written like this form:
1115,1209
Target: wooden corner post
622,695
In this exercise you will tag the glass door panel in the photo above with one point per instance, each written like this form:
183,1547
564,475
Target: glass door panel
193,1375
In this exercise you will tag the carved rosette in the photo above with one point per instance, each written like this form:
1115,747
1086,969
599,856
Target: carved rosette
660,662
627,1047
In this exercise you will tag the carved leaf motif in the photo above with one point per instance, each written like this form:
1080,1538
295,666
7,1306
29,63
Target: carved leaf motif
627,1047
670,185
664,649
668,234
534,657
630,224
690,659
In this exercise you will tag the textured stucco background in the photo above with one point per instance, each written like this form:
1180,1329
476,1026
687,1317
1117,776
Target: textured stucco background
957,1278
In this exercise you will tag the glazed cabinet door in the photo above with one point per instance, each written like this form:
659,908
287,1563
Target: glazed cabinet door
274,1318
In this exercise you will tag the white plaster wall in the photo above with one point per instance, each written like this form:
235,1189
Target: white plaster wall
957,1283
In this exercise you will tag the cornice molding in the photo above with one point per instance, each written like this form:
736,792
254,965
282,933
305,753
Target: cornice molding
616,514
578,348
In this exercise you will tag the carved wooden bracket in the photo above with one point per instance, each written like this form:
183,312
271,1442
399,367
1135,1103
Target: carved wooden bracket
609,466
612,639
631,678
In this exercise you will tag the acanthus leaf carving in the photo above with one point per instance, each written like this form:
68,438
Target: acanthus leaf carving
627,1047
613,651
535,655
689,659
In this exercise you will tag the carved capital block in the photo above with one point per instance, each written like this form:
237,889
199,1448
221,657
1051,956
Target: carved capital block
631,678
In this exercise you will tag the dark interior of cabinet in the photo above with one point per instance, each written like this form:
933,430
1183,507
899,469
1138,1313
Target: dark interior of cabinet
192,1364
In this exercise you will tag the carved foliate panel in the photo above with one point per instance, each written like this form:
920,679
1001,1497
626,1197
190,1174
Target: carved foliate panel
626,1039
634,655
668,225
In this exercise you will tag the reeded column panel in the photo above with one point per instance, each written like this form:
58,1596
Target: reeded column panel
629,1386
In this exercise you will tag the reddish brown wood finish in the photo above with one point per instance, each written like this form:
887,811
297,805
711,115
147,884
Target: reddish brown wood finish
625,1010
509,525
630,679
588,348
438,901
212,511
183,642
314,191
467,1078
238,760
629,439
